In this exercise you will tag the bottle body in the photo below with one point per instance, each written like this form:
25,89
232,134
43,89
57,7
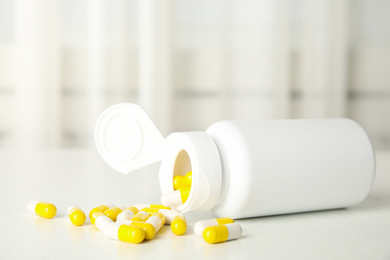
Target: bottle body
288,166
258,168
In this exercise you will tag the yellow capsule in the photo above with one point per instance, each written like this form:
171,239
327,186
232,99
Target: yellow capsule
76,215
188,178
149,229
150,210
152,206
178,182
100,208
179,225
222,233
42,209
113,212
131,234
141,216
158,206
222,221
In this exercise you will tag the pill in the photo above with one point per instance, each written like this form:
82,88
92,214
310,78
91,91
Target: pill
152,225
200,226
178,182
222,233
179,225
168,213
157,220
124,221
123,232
176,198
42,209
149,229
131,234
101,208
188,178
127,213
113,212
141,216
100,220
152,206
76,215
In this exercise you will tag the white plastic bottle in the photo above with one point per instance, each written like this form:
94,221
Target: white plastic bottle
247,168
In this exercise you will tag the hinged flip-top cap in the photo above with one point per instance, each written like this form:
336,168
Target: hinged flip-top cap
126,138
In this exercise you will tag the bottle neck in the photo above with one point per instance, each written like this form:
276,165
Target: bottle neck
196,152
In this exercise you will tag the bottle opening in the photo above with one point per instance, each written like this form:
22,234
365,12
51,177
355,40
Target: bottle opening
182,164
197,154
182,175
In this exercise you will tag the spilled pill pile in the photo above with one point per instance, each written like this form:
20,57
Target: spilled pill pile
141,222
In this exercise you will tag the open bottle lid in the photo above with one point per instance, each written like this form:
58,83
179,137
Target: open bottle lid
126,138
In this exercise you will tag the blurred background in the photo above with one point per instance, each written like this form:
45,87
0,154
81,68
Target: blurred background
190,63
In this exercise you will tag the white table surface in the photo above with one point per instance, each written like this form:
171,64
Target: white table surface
80,177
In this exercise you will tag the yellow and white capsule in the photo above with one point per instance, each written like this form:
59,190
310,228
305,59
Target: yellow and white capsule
141,216
168,213
200,226
179,225
157,220
127,213
100,220
149,229
188,178
42,209
175,198
113,212
101,208
122,232
76,215
178,182
152,225
152,206
222,233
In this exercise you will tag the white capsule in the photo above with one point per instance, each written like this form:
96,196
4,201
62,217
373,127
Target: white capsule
200,226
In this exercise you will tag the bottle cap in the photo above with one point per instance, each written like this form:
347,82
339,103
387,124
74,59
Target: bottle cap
126,138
